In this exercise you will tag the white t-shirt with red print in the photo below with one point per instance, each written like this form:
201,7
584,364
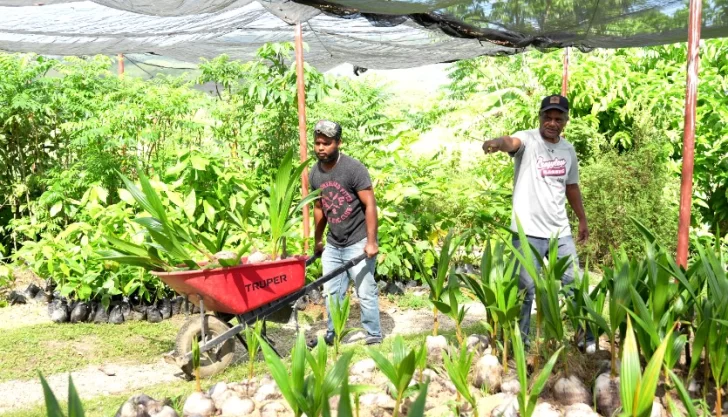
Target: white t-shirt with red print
542,171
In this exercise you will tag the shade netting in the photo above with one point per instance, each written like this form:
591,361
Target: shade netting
367,33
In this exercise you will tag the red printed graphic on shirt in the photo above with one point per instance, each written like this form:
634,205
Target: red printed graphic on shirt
551,167
336,202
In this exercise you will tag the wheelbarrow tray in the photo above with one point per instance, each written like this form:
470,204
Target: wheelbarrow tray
239,289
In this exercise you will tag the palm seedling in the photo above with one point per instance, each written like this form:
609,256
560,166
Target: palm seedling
399,371
552,272
437,282
618,281
339,315
712,327
546,288
283,187
53,408
168,237
252,341
196,363
637,389
345,410
458,369
452,307
498,291
528,396
307,394
421,362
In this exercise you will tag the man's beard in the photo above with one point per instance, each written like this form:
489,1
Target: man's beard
330,159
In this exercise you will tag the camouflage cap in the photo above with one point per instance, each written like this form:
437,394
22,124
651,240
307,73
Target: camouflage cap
328,128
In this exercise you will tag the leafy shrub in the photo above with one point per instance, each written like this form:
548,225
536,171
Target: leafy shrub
635,183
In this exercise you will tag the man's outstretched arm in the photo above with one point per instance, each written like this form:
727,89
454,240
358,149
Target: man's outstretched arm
502,144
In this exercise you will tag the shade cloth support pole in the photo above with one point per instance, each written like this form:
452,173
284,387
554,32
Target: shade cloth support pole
303,144
565,74
688,153
120,64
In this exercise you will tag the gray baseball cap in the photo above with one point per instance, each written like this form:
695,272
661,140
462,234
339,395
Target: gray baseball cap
328,128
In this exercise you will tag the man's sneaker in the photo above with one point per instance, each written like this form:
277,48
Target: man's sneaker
328,339
373,340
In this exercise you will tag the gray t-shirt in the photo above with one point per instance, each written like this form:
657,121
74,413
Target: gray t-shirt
542,171
339,199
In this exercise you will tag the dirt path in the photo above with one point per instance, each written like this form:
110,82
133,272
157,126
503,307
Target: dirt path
90,382
23,315
95,381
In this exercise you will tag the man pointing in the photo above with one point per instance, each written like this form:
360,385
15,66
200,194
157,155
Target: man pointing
546,176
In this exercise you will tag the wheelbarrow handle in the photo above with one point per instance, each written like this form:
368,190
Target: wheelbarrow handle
312,259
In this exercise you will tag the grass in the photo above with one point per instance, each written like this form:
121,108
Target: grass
409,301
53,348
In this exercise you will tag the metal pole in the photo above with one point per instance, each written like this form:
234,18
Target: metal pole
565,74
120,62
688,153
303,146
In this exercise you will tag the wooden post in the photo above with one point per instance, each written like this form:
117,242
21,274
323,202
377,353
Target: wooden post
303,145
688,153
120,62
565,74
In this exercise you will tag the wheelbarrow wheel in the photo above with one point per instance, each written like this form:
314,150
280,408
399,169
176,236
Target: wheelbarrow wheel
214,360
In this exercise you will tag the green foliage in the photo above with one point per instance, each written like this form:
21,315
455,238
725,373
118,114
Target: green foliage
497,290
339,315
196,362
252,344
307,394
458,369
281,211
637,389
53,409
635,183
528,396
436,281
399,371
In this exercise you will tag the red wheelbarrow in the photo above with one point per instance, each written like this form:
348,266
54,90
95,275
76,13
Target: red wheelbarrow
248,293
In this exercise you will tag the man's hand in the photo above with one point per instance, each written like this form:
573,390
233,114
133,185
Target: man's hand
583,231
492,146
318,248
371,249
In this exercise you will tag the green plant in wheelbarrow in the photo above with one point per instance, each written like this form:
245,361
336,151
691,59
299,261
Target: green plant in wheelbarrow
281,212
307,394
169,239
399,371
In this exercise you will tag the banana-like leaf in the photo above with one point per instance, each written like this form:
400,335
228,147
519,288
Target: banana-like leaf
540,381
